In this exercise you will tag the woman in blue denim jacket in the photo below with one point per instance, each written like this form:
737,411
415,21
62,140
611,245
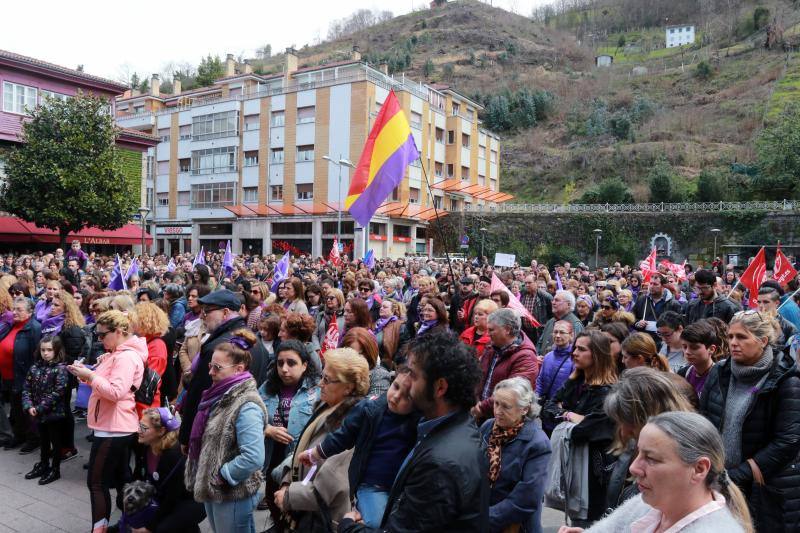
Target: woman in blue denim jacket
289,392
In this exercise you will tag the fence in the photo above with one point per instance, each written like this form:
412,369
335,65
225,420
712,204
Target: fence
682,207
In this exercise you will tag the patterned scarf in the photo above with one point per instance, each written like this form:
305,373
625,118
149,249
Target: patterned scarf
498,438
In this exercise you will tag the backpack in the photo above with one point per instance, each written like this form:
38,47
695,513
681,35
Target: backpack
146,391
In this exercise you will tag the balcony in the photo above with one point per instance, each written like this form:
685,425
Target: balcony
143,120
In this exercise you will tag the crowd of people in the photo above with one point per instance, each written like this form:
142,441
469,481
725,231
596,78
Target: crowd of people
416,395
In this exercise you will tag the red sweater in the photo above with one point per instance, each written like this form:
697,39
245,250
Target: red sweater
157,360
7,351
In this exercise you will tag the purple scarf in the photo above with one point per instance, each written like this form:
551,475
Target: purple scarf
208,400
52,325
425,325
383,322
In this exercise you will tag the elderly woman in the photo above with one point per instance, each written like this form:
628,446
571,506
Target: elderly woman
330,321
751,398
625,299
112,410
583,309
344,383
680,469
477,335
177,511
17,347
226,446
389,331
639,394
518,452
363,341
289,392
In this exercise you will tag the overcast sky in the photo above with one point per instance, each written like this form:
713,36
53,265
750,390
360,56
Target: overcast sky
113,39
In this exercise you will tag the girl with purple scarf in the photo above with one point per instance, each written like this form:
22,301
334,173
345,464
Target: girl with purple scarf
226,445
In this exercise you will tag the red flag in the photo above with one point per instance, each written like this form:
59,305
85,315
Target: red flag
648,266
784,272
678,270
754,276
513,303
334,257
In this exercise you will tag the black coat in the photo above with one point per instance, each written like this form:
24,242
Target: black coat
444,486
171,492
25,345
770,436
201,380
74,341
721,307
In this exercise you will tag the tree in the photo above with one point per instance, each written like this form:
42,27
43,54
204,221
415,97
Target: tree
265,52
712,186
778,149
608,191
428,69
664,186
498,114
69,158
135,81
209,71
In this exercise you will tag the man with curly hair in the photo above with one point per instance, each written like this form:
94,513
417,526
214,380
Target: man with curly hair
443,482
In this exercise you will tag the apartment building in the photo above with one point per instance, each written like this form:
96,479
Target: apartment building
27,82
255,159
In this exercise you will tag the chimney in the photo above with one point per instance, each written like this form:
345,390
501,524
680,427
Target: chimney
155,85
248,68
230,65
355,55
176,85
291,62
384,67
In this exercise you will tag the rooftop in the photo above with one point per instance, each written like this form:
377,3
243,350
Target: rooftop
51,68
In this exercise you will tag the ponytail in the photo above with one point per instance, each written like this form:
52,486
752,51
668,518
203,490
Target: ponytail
734,499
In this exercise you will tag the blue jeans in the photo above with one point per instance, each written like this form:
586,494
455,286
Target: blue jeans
232,517
371,503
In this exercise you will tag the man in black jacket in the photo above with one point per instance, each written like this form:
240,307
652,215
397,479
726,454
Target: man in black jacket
443,484
709,302
649,307
220,314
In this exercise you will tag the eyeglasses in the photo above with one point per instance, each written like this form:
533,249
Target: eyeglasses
102,334
143,428
328,381
329,298
206,310
217,367
255,291
606,307
749,312
365,289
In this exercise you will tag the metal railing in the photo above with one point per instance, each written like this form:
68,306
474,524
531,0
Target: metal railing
682,207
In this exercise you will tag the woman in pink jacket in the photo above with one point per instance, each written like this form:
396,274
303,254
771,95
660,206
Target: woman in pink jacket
112,411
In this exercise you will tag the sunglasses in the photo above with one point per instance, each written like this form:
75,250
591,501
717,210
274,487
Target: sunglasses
606,307
102,334
217,367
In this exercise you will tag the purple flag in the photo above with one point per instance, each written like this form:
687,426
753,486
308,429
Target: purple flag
199,259
171,265
227,260
559,285
281,272
369,259
133,270
117,282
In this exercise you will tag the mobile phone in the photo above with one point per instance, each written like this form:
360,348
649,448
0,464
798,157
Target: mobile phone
80,360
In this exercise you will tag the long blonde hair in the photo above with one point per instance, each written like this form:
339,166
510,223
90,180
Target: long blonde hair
72,313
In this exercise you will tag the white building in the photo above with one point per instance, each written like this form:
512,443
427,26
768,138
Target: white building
679,36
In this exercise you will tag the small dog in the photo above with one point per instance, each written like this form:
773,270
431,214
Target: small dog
137,499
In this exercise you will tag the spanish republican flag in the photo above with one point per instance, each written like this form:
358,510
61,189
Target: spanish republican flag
390,148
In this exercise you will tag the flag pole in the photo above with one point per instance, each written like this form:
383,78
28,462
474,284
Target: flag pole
791,296
438,229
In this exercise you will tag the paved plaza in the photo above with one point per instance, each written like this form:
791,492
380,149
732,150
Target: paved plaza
25,506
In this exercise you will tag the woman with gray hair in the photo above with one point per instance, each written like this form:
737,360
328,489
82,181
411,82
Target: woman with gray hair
518,452
753,399
684,487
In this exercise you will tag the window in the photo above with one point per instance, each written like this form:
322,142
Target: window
214,160
45,94
162,199
437,202
396,194
456,108
183,197
450,170
251,158
453,204
185,132
18,98
277,119
305,114
672,30
413,195
149,194
305,191
250,195
438,169
440,135
163,135
493,156
416,120
465,140
276,192
493,184
211,195
215,125
277,155
251,123
184,164
451,136
465,173
481,180
305,153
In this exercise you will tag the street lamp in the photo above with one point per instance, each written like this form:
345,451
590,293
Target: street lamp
340,163
483,240
598,234
143,212
715,231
